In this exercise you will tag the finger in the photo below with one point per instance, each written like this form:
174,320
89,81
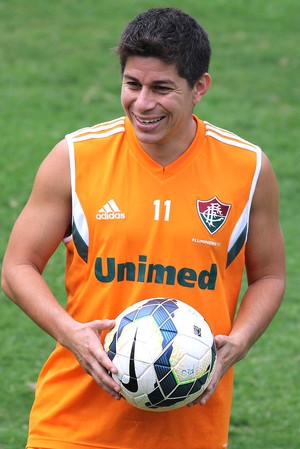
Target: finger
104,380
220,340
103,359
101,325
97,364
115,394
110,386
207,394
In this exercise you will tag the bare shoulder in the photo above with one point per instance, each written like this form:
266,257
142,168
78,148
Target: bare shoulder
264,216
55,169
51,194
265,245
266,193
46,217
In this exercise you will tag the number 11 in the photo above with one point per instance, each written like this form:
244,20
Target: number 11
157,208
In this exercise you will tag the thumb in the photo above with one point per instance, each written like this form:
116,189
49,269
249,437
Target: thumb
100,325
220,340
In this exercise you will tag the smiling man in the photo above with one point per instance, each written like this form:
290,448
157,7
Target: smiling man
159,104
155,204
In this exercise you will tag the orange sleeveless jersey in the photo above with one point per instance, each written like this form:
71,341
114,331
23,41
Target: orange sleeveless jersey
142,231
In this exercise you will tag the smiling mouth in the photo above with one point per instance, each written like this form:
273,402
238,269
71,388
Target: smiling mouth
149,121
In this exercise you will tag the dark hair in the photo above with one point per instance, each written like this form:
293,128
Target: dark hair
170,35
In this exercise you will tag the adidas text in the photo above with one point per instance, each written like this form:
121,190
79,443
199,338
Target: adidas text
110,216
110,211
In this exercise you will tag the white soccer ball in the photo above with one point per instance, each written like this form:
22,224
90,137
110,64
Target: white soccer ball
164,351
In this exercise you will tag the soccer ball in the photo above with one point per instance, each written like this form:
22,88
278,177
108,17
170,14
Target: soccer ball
164,351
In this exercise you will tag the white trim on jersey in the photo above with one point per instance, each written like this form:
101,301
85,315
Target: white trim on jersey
228,137
97,131
78,217
232,139
99,136
80,220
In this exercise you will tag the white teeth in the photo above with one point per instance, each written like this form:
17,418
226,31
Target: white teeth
147,122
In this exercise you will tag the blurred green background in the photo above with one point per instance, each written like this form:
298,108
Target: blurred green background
58,73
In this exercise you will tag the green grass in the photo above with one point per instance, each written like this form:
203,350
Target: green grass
58,73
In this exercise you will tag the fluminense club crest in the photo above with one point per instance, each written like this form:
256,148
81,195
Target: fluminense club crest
213,213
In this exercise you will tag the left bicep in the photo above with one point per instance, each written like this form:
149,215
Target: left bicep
265,255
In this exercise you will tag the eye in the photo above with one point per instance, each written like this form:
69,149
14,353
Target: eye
132,84
162,89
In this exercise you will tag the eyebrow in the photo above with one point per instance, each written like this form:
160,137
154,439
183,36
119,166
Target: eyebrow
155,82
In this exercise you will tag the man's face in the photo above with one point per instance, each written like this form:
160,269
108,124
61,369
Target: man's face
159,103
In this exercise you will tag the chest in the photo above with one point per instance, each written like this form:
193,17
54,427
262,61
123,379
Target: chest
126,202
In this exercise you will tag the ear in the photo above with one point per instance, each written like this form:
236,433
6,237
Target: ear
201,87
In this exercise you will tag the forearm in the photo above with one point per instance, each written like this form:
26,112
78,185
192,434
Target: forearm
258,307
25,286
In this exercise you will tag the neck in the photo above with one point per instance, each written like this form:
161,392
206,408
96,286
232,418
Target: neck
164,153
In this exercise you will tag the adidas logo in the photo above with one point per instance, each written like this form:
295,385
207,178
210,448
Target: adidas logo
110,211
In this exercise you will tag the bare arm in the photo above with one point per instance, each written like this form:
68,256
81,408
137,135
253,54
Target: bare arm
265,264
36,235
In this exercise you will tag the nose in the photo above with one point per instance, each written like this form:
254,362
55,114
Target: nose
145,100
